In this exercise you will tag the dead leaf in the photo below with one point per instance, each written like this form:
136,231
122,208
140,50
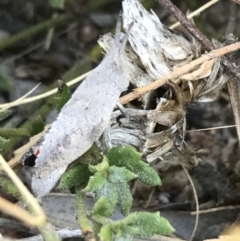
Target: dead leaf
202,72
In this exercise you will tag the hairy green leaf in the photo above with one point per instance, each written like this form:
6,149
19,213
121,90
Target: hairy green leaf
103,207
76,176
116,189
149,224
120,174
124,198
127,156
101,167
106,233
142,224
96,182
110,193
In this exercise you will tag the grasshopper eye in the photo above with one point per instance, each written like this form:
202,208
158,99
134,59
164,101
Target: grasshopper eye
30,161
30,157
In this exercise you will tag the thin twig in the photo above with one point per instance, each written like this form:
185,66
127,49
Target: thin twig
211,128
28,93
178,72
211,210
196,201
196,12
149,198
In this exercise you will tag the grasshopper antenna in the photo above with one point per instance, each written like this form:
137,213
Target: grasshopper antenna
118,43
118,31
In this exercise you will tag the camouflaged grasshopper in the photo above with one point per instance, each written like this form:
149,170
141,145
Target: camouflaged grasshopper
82,120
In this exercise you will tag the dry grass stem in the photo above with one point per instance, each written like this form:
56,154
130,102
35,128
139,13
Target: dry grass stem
22,101
196,12
39,217
196,201
17,212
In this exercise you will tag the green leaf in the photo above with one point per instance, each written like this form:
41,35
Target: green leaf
63,96
57,3
120,174
110,193
116,190
101,167
103,207
142,224
106,233
150,224
124,198
5,83
3,142
123,229
96,182
4,114
127,156
76,176
37,126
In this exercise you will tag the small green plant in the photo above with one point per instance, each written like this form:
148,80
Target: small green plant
108,177
109,181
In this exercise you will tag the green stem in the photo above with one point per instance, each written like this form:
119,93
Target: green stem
49,233
32,31
101,219
83,220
